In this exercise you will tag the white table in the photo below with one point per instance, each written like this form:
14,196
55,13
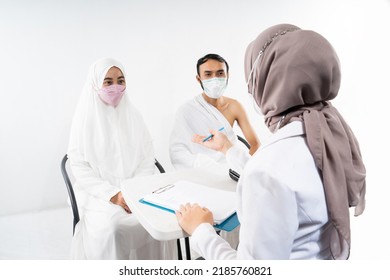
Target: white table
162,225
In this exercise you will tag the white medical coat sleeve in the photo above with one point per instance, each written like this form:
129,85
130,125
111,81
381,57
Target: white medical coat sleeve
207,243
268,215
237,158
90,182
269,219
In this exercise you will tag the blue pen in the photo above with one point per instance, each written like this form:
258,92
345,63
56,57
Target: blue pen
211,135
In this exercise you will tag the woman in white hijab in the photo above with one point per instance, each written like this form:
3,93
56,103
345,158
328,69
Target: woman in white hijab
109,143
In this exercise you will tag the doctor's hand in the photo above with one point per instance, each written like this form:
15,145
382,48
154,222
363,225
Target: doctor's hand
218,142
119,200
191,216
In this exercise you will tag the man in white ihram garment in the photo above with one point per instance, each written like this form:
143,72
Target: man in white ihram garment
110,143
210,109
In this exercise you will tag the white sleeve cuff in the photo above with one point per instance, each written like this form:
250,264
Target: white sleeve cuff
237,158
207,243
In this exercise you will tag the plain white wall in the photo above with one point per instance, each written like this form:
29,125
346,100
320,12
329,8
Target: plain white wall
47,46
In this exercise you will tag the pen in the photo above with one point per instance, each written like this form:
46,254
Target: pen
163,189
211,135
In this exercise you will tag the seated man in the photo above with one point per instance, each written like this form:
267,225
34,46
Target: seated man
209,110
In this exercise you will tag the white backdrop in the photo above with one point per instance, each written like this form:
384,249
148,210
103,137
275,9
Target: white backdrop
47,46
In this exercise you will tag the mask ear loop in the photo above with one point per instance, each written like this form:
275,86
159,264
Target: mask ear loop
253,72
279,123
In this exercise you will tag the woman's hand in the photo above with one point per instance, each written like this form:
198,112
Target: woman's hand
119,200
191,216
219,142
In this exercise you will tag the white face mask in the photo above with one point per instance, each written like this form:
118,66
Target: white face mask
215,87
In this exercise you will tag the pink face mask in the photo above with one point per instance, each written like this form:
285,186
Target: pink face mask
112,94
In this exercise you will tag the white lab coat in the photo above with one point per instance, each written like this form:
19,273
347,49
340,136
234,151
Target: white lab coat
281,204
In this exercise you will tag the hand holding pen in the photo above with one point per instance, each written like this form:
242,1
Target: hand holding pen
211,135
217,140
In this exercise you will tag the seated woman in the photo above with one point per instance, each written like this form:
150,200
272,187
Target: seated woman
109,143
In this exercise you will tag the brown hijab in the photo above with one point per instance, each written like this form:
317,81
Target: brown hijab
295,76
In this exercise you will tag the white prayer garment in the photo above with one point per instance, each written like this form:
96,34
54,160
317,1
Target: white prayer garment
196,117
108,145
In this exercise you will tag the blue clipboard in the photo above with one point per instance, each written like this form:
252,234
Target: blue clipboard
228,225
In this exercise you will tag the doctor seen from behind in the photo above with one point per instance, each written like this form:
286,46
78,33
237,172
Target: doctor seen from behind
295,192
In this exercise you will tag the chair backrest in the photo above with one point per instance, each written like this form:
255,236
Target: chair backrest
69,187
73,202
244,141
159,166
233,174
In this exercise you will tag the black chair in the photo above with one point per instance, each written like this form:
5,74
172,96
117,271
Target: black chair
244,141
159,166
233,174
186,239
69,187
75,210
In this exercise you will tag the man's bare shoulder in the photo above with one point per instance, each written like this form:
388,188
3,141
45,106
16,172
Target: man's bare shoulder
234,105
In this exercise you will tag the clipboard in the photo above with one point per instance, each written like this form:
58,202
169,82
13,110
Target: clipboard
221,203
